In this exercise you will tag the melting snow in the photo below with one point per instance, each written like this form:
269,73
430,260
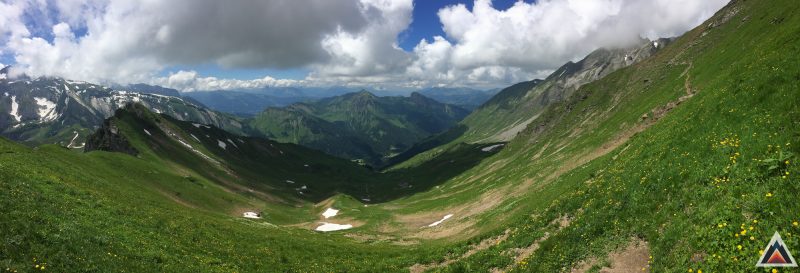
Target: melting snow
15,109
196,125
290,181
332,227
330,212
71,142
221,144
231,142
173,135
251,215
440,221
492,148
147,132
48,113
655,44
195,138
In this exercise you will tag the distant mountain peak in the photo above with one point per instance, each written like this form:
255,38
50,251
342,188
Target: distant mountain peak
365,93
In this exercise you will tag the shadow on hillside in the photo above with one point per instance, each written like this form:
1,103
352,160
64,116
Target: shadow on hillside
400,183
426,144
266,169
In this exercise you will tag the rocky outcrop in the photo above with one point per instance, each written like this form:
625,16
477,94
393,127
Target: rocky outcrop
108,138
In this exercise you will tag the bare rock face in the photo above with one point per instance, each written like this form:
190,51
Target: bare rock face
108,138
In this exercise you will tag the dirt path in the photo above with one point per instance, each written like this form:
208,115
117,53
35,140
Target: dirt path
634,258
521,254
483,245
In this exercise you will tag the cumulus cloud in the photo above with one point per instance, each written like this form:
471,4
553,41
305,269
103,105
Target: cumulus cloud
130,40
189,81
342,42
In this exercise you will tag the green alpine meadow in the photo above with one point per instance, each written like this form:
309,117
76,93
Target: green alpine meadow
582,137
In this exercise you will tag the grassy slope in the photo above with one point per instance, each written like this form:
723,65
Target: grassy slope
102,212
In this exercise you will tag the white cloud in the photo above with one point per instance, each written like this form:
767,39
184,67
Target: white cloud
342,42
373,50
189,81
130,41
11,25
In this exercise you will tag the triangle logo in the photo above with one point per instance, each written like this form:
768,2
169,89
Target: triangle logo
776,254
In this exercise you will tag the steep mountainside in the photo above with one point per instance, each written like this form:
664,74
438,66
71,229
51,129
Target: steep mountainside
53,110
358,125
515,107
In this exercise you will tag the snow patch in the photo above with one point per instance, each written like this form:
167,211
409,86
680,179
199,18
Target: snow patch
232,143
72,142
325,227
196,125
492,148
440,221
147,132
290,181
195,138
221,144
189,146
47,109
251,215
15,109
330,212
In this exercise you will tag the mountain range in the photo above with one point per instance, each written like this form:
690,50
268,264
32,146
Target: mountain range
358,125
250,102
54,110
